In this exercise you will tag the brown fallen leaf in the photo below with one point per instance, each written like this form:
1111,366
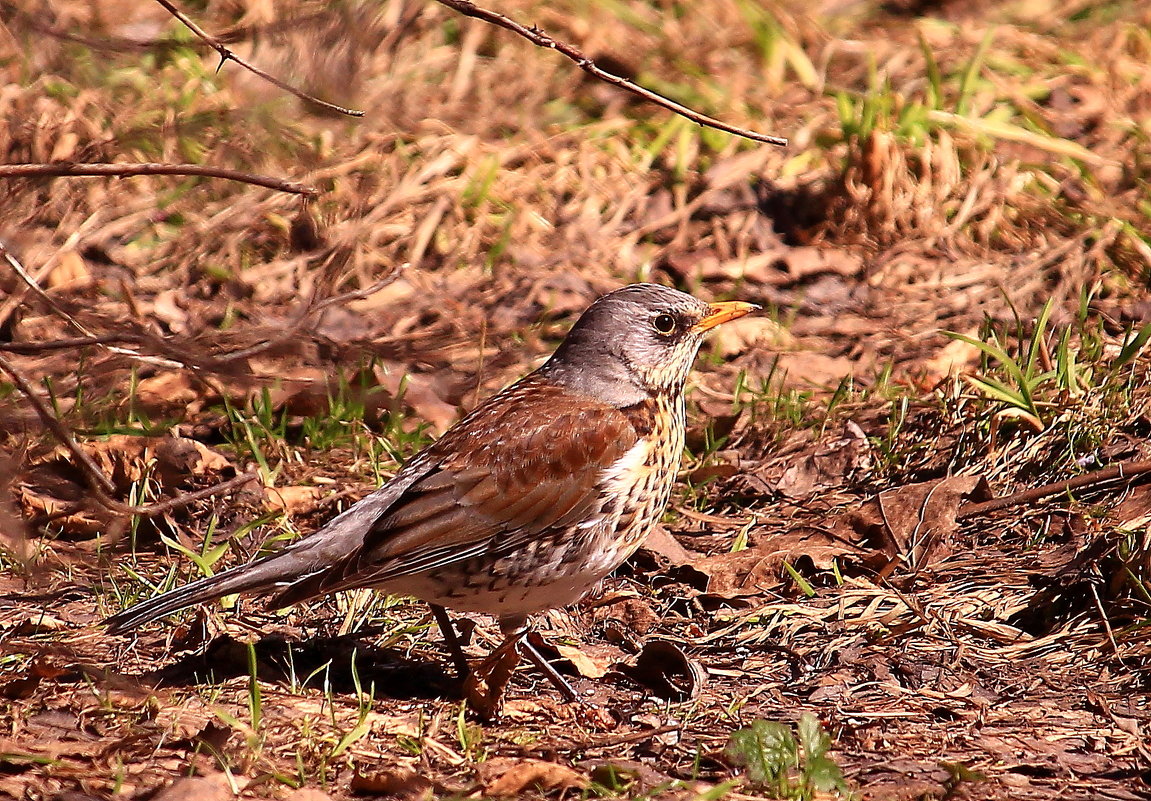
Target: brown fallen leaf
70,271
487,683
920,518
309,794
814,369
755,570
666,671
749,333
405,784
197,788
422,394
825,466
506,777
804,261
661,543
623,617
181,457
293,500
166,391
954,357
590,661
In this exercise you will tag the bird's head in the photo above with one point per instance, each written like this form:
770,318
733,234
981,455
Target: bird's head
637,342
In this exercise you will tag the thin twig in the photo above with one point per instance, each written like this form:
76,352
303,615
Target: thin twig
541,39
310,309
66,168
99,481
29,348
228,55
102,486
1124,471
183,499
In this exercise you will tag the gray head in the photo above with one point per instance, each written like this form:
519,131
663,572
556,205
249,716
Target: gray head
636,342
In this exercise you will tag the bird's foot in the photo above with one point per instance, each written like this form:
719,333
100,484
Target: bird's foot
485,686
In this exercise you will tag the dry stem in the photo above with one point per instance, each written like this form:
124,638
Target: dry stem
541,39
228,55
130,170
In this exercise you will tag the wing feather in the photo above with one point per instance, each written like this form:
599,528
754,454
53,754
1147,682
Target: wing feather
529,460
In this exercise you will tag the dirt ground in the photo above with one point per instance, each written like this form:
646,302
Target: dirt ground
835,546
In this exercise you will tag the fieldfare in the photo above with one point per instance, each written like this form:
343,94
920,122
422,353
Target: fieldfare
527,502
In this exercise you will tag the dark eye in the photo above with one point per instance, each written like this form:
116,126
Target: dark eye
664,324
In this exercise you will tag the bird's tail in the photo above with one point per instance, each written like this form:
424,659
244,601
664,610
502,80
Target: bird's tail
265,574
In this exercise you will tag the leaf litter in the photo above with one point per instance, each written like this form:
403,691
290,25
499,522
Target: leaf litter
819,562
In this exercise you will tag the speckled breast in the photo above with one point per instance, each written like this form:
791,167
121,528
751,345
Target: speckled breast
561,566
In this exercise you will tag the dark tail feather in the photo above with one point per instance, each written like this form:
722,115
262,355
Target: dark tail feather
265,574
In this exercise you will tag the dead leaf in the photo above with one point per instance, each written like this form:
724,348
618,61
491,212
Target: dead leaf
189,457
166,308
165,391
486,684
829,465
404,784
419,393
755,570
65,147
70,271
748,333
815,369
954,357
661,543
197,788
506,777
920,519
294,500
805,261
623,617
666,671
590,661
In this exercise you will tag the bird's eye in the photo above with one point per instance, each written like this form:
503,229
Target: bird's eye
664,324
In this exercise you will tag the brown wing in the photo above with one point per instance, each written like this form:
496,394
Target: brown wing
526,461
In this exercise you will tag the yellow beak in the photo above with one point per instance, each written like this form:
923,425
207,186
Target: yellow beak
720,313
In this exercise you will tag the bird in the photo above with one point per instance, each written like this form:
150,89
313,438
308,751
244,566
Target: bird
526,503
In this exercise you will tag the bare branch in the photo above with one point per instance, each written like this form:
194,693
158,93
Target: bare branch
1124,471
66,168
228,55
541,39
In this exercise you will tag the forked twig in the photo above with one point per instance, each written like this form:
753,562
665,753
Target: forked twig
541,39
310,309
73,169
228,55
31,283
102,486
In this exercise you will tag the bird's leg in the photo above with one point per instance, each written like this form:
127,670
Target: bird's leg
548,669
485,686
517,628
451,640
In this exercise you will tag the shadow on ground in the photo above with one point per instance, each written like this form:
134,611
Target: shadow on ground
341,664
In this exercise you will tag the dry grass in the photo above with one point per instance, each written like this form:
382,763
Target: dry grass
953,166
